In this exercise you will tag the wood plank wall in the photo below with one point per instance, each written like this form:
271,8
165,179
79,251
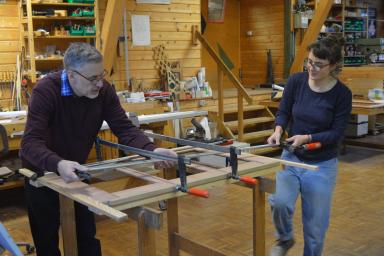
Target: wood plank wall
227,34
265,18
9,34
171,25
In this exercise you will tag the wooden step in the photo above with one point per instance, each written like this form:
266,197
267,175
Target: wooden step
233,125
257,136
231,108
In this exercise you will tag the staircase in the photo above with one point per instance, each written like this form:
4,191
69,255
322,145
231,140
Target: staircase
258,124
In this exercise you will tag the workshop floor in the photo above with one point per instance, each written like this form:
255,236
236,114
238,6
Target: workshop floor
224,221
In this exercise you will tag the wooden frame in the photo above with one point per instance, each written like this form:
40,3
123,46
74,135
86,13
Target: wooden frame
156,189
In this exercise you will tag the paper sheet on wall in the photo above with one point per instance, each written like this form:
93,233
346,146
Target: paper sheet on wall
141,32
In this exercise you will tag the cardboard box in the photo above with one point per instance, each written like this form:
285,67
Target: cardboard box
358,119
356,130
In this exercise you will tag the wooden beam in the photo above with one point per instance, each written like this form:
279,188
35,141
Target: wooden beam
68,225
173,226
311,34
258,221
111,30
194,248
146,237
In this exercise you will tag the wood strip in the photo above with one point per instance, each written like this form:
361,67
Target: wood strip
194,248
84,194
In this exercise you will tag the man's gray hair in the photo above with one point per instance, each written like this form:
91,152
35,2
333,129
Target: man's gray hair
79,54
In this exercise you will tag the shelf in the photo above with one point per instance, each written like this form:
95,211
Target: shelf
63,37
63,4
331,32
355,7
355,56
331,20
356,17
47,59
61,18
354,31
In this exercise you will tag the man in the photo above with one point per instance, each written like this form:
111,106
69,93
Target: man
66,111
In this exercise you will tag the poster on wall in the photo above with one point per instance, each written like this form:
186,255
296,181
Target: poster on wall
153,1
141,32
216,11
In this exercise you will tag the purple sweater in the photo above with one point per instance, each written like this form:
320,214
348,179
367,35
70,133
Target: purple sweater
65,127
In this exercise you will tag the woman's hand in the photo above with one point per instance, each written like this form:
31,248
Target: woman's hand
299,140
276,136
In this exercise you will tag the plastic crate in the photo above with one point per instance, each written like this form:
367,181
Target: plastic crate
74,1
76,32
89,30
88,12
77,13
88,1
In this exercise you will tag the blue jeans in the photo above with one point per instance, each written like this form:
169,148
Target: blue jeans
316,189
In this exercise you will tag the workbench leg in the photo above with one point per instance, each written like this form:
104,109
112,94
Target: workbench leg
173,226
146,237
68,225
258,221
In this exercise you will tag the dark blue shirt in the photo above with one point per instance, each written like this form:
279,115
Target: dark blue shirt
323,115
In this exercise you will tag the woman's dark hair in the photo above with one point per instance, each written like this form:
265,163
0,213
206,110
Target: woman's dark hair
328,48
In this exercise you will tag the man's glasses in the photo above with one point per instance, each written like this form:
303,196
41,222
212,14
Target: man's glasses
315,65
92,79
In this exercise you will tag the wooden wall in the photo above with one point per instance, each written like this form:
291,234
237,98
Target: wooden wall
265,18
227,34
9,34
171,25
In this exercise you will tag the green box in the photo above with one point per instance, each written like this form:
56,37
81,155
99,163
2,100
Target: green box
76,32
90,30
88,13
75,1
88,1
77,13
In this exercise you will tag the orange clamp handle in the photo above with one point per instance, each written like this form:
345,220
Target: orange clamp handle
198,192
312,146
248,180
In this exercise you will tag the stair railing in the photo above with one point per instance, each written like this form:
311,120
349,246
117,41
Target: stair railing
222,70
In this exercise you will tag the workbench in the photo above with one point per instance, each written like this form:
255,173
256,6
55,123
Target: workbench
133,201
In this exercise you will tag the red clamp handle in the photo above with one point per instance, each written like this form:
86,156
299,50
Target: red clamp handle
248,180
312,146
198,192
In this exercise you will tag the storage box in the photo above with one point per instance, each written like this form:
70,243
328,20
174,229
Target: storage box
88,12
89,30
76,32
358,119
356,130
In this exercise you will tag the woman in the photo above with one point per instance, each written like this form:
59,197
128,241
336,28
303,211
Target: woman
315,108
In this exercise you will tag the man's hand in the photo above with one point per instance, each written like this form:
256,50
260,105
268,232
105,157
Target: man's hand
165,152
298,140
67,170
